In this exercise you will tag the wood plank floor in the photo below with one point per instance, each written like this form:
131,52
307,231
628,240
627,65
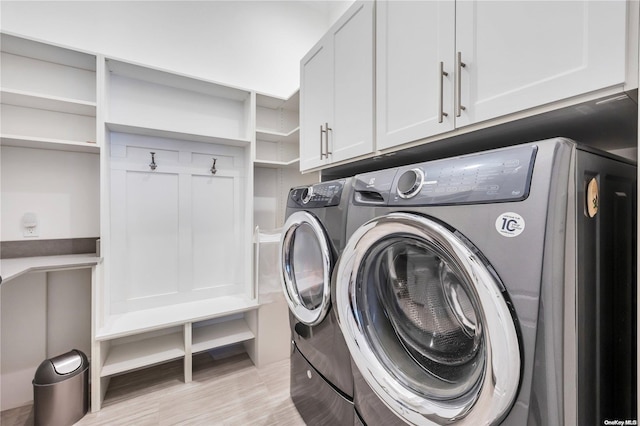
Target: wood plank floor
225,392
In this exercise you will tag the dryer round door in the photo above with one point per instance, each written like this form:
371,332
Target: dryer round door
427,323
306,265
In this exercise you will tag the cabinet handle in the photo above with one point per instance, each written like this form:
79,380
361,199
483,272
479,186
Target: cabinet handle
441,113
213,167
322,131
152,164
326,136
459,106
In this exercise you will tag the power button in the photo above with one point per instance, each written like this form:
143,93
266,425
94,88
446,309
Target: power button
307,193
410,183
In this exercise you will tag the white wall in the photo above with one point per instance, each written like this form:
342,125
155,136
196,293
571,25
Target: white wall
62,188
256,45
42,315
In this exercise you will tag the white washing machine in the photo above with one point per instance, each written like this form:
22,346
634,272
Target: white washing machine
493,288
313,236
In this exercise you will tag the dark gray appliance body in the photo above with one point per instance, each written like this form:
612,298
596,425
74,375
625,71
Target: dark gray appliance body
535,266
312,239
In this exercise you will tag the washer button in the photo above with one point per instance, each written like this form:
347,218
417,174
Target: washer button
410,183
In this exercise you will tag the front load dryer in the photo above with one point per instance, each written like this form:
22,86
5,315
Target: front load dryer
493,288
312,238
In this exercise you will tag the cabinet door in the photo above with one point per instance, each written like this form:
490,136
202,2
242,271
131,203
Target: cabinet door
524,54
413,38
316,84
353,109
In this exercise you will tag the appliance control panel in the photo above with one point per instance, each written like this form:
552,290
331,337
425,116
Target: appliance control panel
324,194
493,176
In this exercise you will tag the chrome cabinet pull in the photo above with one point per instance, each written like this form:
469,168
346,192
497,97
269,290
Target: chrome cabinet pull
321,151
326,135
324,130
459,106
441,113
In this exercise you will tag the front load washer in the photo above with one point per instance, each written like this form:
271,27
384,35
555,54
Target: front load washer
312,238
493,288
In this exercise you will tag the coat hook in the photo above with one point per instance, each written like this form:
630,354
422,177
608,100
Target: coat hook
213,168
153,164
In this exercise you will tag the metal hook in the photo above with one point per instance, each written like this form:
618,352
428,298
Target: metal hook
153,164
213,168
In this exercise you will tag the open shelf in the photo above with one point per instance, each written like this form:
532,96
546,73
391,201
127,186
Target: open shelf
274,102
47,102
177,314
170,134
276,164
176,106
46,143
175,80
141,353
47,96
274,136
220,334
277,131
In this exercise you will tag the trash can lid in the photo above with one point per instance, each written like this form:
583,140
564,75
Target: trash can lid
55,369
66,363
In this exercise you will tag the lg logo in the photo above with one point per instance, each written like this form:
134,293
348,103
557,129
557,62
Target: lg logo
510,224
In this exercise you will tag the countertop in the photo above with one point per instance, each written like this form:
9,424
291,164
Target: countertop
12,268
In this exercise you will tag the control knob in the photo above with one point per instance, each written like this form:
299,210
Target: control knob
307,193
410,183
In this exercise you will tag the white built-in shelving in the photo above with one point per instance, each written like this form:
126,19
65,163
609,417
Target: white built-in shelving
277,131
154,102
277,158
49,85
176,236
175,275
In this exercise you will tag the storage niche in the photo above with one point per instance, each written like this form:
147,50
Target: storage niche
149,101
177,221
51,86
277,131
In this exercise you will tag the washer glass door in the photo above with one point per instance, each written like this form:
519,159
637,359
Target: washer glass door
426,322
305,262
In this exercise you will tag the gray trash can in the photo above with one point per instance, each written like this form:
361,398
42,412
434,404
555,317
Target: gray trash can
61,389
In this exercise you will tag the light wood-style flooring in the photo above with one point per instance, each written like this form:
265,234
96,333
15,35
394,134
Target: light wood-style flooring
224,392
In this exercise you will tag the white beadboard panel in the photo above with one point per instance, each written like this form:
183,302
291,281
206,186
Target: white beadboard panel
152,233
199,214
216,231
61,187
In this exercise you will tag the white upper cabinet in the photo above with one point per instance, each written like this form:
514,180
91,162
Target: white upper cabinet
316,84
414,95
497,58
523,54
336,91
